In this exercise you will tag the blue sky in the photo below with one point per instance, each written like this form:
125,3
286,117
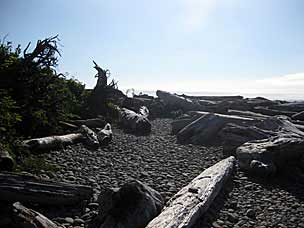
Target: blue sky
227,46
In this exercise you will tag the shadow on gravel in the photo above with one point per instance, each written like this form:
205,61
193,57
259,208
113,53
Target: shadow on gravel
218,204
290,180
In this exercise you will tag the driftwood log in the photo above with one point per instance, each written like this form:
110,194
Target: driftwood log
205,129
134,122
52,142
193,200
298,116
233,135
25,188
27,218
131,206
273,112
86,135
291,106
175,100
6,160
91,123
90,137
105,135
264,157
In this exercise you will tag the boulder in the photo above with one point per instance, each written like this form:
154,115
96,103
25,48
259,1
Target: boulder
131,206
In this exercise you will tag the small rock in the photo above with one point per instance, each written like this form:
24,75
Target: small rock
93,206
232,217
69,220
250,213
78,221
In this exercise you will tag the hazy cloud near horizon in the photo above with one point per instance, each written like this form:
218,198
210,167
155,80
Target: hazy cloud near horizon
281,87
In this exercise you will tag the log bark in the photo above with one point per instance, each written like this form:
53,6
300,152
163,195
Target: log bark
6,160
25,188
134,122
192,201
205,129
27,218
175,100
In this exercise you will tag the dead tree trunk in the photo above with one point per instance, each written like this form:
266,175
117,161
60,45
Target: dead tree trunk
25,188
27,218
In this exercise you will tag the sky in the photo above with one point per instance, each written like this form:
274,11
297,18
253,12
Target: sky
208,46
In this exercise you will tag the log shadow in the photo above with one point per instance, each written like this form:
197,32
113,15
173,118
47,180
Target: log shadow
290,179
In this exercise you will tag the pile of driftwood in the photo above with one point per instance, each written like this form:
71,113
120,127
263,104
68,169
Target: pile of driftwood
264,135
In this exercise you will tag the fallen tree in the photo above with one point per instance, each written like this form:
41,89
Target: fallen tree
26,188
134,122
27,218
193,200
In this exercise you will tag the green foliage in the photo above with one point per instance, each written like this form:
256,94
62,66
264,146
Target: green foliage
37,98
9,117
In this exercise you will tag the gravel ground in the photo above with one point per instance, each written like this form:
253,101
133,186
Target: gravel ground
166,166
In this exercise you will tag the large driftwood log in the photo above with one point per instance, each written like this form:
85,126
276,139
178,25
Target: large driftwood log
291,106
175,100
248,114
27,218
213,98
91,123
264,157
25,188
233,135
6,160
134,122
131,206
273,112
192,201
86,135
298,116
53,142
205,129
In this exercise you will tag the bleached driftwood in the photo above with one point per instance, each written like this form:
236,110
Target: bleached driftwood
25,188
86,135
105,135
205,129
27,218
175,100
90,136
193,200
53,142
134,122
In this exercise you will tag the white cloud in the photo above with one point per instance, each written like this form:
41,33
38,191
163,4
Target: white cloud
289,86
